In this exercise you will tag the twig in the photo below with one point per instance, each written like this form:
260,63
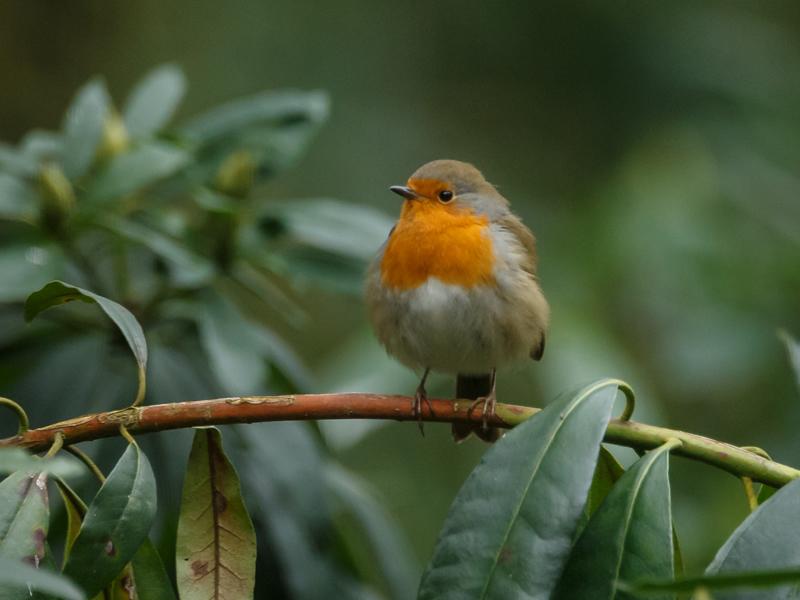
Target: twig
253,409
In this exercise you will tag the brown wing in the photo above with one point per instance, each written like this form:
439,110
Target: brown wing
528,241
523,234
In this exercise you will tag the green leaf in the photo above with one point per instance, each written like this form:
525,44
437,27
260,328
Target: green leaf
130,172
15,163
511,525
765,493
76,511
154,100
58,292
390,550
606,474
746,580
283,469
40,146
793,351
271,129
116,524
16,581
17,200
24,516
17,459
187,269
629,537
83,128
337,227
215,554
149,574
766,540
27,267
267,107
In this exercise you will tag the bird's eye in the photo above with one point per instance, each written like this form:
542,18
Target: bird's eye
445,195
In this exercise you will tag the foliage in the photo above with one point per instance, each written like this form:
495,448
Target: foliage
170,223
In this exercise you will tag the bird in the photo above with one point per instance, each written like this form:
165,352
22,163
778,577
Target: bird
454,288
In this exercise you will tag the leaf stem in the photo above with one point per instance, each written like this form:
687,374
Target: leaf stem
86,460
22,416
252,409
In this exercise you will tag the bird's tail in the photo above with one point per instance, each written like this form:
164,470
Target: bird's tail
472,387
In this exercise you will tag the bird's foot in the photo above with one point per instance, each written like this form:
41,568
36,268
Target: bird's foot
420,397
489,402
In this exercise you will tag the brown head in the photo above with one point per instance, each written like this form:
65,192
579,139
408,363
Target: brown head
454,186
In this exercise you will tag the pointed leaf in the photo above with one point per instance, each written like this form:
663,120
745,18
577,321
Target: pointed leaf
76,511
629,537
766,540
511,525
58,292
116,524
16,581
83,128
215,552
606,474
24,517
154,100
132,171
150,576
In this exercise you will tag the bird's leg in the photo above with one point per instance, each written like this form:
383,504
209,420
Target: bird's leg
489,401
419,397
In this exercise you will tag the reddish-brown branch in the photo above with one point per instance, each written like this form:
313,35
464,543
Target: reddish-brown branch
252,409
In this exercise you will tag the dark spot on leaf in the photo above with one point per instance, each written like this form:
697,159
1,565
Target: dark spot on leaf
127,584
110,549
200,568
505,555
39,537
271,226
220,502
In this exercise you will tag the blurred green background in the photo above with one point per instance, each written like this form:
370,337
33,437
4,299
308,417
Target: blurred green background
652,147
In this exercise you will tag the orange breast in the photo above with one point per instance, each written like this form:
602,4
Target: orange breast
435,240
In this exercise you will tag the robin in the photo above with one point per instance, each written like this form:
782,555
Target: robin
454,287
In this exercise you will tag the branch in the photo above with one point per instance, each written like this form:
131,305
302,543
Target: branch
253,409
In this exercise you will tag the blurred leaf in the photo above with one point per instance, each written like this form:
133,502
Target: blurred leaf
350,230
116,524
40,146
216,546
58,292
150,576
76,511
16,163
154,100
27,267
134,170
83,128
16,459
17,200
274,129
793,351
17,579
238,116
187,269
511,525
766,540
239,348
283,471
311,266
390,549
745,580
24,517
634,529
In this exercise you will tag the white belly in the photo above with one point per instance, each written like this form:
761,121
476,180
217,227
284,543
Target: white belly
452,329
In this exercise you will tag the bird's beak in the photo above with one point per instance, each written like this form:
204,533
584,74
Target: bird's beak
405,192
